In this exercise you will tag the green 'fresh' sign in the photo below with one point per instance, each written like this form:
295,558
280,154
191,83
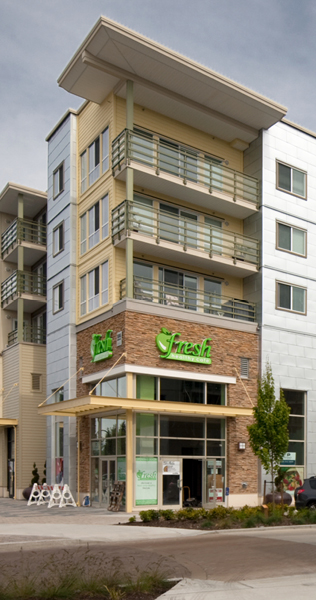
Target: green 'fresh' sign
175,349
101,349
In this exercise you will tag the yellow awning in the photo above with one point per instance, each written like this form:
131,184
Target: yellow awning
8,422
87,405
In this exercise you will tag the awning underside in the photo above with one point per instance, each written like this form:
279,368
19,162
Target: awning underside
88,405
8,422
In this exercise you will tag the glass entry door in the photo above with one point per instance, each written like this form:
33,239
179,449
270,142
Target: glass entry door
172,482
107,480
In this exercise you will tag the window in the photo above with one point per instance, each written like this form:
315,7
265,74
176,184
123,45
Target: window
58,180
291,297
97,221
59,452
58,395
36,382
92,283
291,239
296,400
94,225
94,161
58,297
58,239
291,180
83,160
105,150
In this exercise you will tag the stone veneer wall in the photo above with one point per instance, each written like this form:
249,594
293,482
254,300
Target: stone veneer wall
228,346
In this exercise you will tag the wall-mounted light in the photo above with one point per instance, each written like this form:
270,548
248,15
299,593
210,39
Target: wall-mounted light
244,485
241,445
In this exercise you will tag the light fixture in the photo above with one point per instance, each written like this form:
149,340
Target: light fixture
244,485
241,445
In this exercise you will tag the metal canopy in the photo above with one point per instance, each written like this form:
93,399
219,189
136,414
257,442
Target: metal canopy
167,82
8,422
88,405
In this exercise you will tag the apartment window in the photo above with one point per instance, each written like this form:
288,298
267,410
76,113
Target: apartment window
58,297
97,221
105,150
58,239
94,161
291,180
291,297
96,285
83,233
83,161
58,395
36,382
296,400
291,239
94,225
58,180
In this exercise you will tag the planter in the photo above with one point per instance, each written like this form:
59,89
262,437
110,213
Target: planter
27,492
277,498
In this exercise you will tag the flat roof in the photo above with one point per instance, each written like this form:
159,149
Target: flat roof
34,200
166,82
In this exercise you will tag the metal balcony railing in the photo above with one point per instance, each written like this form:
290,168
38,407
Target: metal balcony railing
22,230
22,282
190,299
182,229
33,335
189,164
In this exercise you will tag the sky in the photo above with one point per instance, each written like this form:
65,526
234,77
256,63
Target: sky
266,45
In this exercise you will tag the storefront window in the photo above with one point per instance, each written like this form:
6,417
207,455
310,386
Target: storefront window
216,429
177,447
181,427
59,452
179,390
146,424
110,435
215,393
215,448
294,461
113,388
146,387
108,427
146,446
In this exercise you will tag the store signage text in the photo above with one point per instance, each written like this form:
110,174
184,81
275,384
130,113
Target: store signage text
175,349
101,349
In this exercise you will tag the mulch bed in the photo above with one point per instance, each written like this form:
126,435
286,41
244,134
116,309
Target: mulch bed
188,524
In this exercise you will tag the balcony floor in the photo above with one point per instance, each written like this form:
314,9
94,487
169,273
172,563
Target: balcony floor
196,258
32,253
194,193
31,303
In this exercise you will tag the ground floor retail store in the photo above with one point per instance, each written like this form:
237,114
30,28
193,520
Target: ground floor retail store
169,454
8,446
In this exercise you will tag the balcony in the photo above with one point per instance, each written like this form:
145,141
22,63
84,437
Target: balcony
170,168
29,234
168,236
32,335
189,299
27,285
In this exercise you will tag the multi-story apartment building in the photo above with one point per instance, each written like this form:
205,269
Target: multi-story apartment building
155,279
22,336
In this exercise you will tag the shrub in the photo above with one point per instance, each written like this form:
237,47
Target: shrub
149,515
132,519
167,515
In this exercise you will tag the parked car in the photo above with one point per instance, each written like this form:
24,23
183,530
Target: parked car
305,495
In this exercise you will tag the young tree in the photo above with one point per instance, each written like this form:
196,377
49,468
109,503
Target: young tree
269,436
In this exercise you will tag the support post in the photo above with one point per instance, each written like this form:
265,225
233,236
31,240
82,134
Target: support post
15,465
129,252
78,465
20,310
129,461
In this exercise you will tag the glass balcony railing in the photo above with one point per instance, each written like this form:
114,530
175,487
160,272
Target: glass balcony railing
32,335
182,229
22,230
188,164
22,282
190,299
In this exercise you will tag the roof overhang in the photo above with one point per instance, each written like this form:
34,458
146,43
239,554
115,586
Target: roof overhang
33,200
8,422
166,82
88,405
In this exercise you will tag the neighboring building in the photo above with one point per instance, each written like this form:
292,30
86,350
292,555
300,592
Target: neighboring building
157,289
283,158
22,336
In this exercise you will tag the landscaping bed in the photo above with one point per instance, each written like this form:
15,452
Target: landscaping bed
225,518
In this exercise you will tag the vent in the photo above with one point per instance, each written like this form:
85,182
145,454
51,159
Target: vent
244,368
119,338
36,382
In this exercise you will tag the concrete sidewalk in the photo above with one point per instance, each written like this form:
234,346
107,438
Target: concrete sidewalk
283,588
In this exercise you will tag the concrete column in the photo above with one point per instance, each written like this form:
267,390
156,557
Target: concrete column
129,252
129,461
20,310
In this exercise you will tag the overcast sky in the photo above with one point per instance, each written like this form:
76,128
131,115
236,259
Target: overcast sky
267,45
